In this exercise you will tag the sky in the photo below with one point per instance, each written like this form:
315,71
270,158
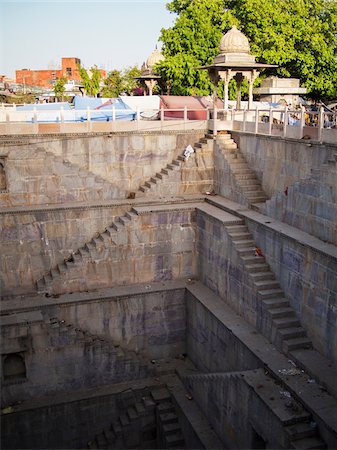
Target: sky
112,34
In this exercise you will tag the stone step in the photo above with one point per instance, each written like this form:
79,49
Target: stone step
101,441
245,176
124,420
243,243
267,284
160,394
259,276
270,293
150,184
253,259
292,333
132,413
308,443
117,428
131,214
257,193
165,407
170,428
164,171
243,235
301,430
139,407
174,440
117,225
144,188
109,435
181,158
211,136
286,322
175,162
249,185
241,171
92,444
236,228
255,200
257,267
246,251
278,302
296,343
168,418
277,313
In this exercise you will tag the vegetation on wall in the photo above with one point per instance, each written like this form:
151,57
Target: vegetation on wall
299,36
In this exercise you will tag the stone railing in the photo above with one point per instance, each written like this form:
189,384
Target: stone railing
295,124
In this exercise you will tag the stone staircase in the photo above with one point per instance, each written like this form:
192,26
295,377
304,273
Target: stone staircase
280,323
98,247
153,415
168,179
300,430
244,178
127,364
158,183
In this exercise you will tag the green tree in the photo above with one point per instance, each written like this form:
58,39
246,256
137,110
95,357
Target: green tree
91,80
299,36
59,88
113,84
121,81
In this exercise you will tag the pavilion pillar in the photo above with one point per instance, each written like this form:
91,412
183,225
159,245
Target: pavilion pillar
251,77
239,79
226,76
150,85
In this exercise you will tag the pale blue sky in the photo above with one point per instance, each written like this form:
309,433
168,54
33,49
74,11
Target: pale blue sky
112,34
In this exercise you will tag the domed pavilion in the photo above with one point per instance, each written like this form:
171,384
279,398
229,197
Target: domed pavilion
235,61
148,74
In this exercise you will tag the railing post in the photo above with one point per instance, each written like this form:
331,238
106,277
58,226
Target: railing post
185,116
14,106
36,126
62,114
285,122
207,114
302,121
161,117
320,123
88,119
137,117
244,119
113,124
270,127
215,120
256,120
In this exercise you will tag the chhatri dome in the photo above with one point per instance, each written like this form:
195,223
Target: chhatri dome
154,58
234,42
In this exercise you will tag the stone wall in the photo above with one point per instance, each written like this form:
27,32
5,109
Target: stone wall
83,344
308,279
280,162
93,167
310,205
210,345
33,241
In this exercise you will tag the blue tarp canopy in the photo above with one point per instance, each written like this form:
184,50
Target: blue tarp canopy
102,109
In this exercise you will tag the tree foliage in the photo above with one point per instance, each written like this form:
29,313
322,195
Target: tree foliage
59,88
91,80
121,81
299,36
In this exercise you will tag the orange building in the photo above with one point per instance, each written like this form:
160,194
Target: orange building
46,78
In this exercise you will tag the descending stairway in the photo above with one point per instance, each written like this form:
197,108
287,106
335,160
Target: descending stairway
153,185
156,413
128,364
282,326
96,248
300,429
158,184
245,178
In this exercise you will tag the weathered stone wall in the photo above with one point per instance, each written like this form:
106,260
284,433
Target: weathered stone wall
308,279
280,162
54,170
82,344
220,268
210,345
310,205
70,422
33,241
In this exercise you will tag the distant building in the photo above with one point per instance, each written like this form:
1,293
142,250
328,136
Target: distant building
275,89
46,77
